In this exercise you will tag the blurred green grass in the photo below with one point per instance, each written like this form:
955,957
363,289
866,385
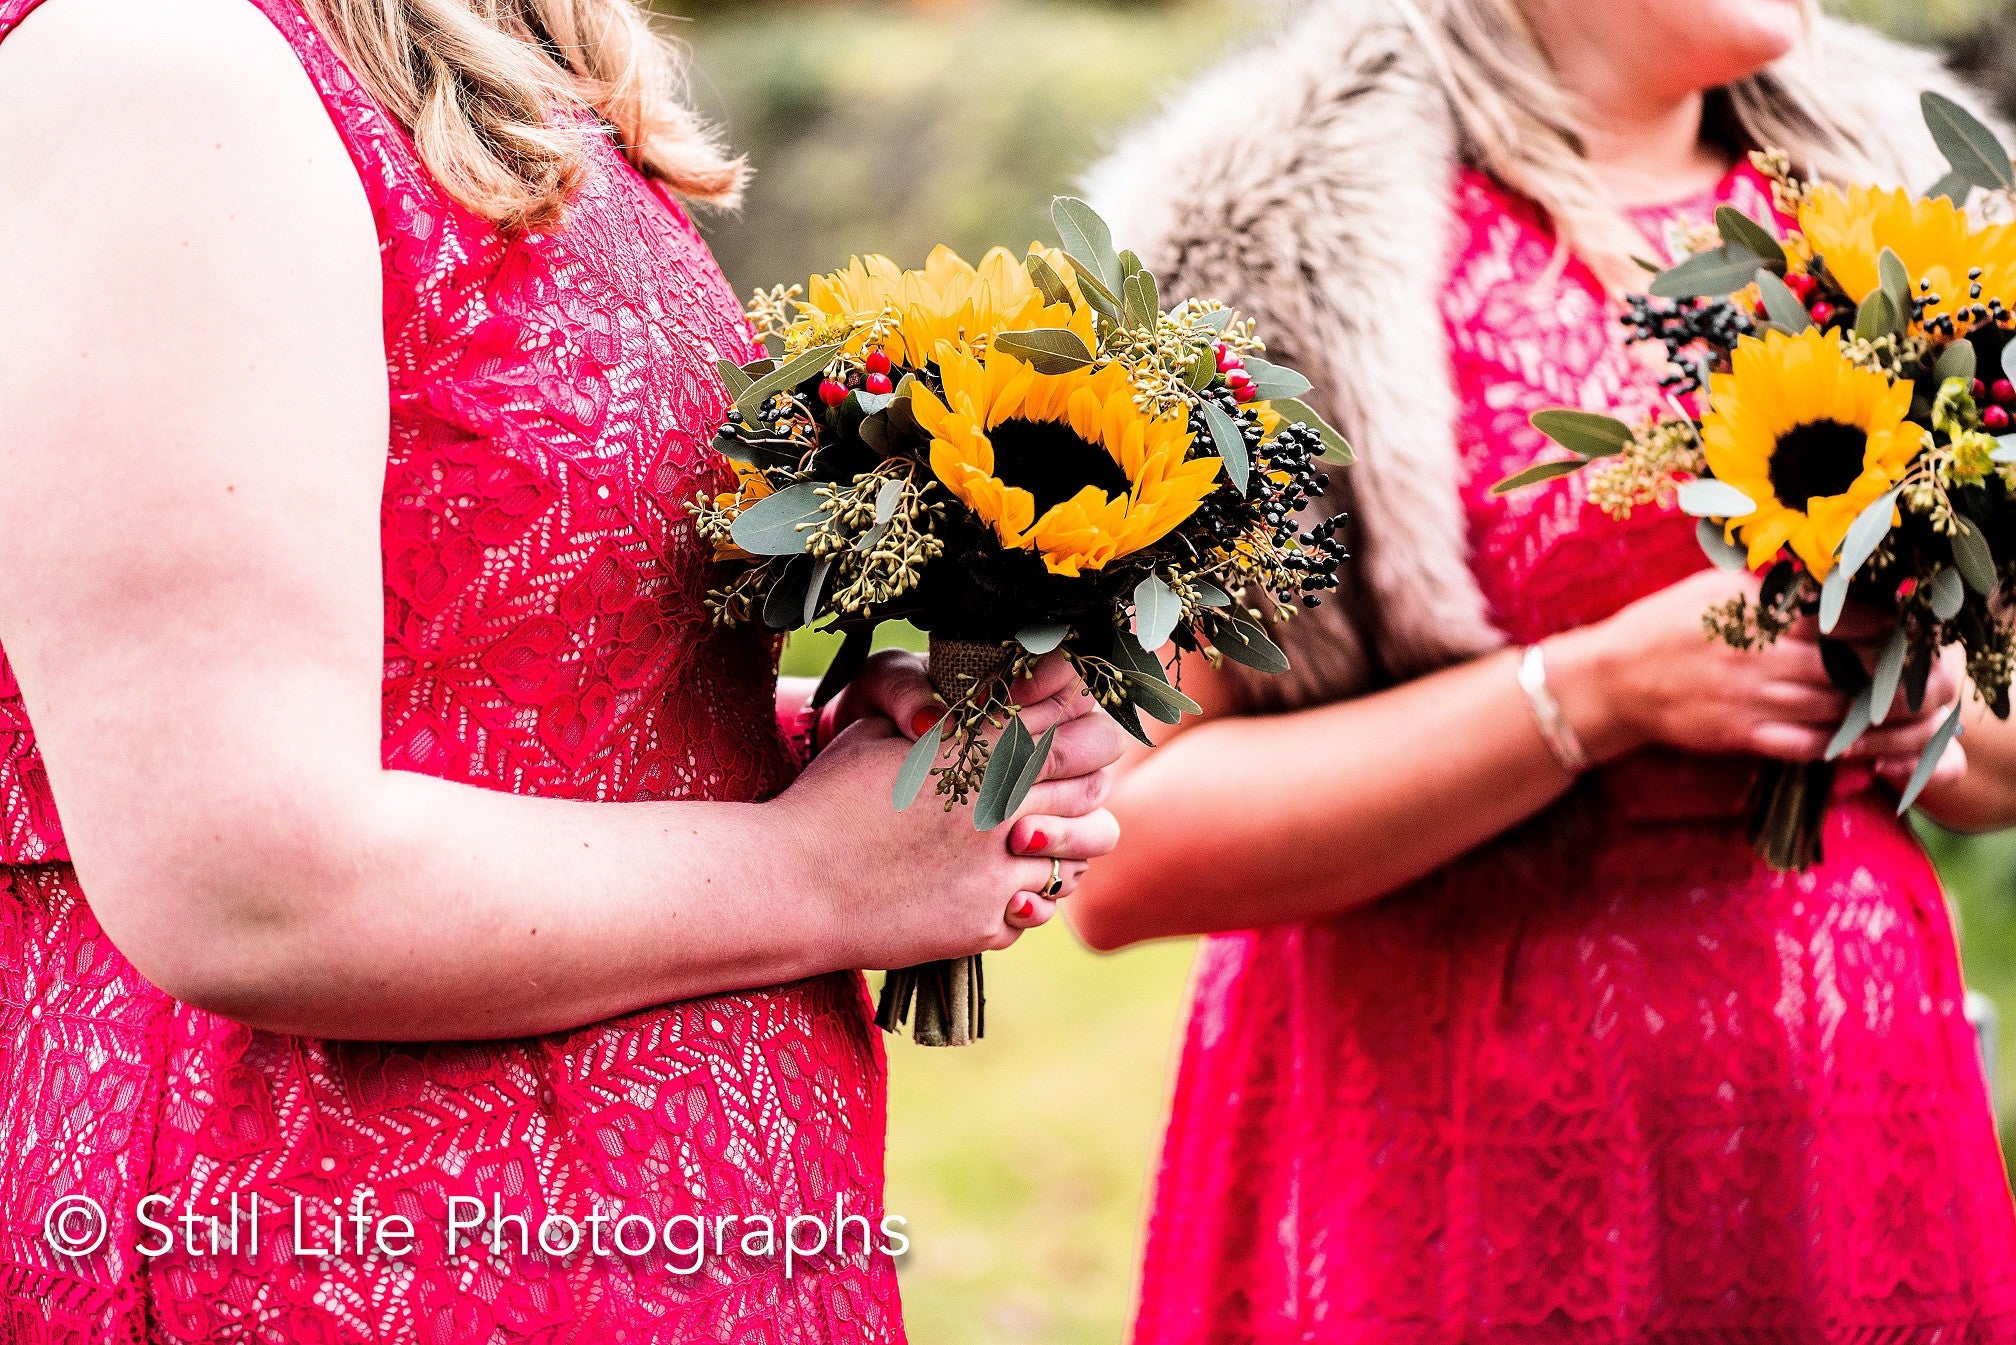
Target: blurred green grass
886,127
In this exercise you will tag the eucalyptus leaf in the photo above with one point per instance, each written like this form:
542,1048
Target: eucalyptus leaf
1928,761
1705,497
917,764
1971,554
1202,371
2009,360
1159,700
1726,555
786,377
815,588
887,497
1127,717
1867,532
1042,639
1244,642
733,378
872,403
1971,148
1953,186
1138,301
784,604
1584,433
1217,319
1711,273
1130,265
1889,672
2005,450
1271,380
771,526
1896,282
1536,473
1956,361
1336,451
1854,726
1738,228
1055,291
1230,443
1013,769
1157,609
1833,597
1210,594
1131,658
1946,593
1087,239
1782,304
1048,350
1876,317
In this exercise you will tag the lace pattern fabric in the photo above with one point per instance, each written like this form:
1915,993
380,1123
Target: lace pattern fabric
545,633
1605,1078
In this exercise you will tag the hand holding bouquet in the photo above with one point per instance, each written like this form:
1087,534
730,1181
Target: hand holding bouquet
1853,440
1020,457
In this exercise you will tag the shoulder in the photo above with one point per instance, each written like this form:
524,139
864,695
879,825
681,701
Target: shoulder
138,115
1320,131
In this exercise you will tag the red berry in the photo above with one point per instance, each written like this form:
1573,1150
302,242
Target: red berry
1907,588
1238,380
876,362
1246,392
2003,391
1995,418
1800,284
879,383
832,393
1977,389
1823,312
1227,361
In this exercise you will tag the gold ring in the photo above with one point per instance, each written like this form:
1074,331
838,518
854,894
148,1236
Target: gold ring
1056,883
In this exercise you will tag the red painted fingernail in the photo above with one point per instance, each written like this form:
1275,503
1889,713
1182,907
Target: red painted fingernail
1037,841
922,721
1021,908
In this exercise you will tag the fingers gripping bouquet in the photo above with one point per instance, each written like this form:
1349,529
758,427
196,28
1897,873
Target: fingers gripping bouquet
1852,443
1021,457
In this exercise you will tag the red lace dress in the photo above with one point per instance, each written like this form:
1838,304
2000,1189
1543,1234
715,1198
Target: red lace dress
1605,1078
544,634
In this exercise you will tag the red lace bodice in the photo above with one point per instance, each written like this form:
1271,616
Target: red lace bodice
545,633
1605,1078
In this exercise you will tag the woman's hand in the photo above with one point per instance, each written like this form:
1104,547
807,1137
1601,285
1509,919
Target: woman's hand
1062,819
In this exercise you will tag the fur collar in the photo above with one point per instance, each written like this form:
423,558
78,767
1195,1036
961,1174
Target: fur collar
1307,181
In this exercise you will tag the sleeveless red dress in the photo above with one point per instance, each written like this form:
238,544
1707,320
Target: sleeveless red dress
545,634
1606,1078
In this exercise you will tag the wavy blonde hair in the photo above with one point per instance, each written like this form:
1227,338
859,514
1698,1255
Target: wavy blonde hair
1521,125
493,92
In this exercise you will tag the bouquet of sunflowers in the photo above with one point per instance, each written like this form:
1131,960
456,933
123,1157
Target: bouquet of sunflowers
1860,378
1018,457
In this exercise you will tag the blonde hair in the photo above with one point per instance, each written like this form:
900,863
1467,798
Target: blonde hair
1520,124
495,92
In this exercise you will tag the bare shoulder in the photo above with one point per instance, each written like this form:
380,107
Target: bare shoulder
195,92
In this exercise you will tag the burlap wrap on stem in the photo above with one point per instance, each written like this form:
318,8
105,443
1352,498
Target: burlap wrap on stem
946,1002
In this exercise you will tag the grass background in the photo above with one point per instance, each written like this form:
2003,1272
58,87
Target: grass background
888,127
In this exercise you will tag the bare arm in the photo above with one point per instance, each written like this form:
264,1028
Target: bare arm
193,426
1246,821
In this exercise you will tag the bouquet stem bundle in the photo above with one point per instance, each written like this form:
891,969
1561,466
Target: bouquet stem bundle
948,998
1787,806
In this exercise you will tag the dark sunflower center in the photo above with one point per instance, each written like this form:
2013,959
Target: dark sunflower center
1046,459
1822,457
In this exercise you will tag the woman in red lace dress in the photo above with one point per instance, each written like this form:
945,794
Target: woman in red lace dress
425,853
1502,1033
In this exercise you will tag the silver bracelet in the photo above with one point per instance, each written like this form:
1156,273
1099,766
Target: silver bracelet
1552,723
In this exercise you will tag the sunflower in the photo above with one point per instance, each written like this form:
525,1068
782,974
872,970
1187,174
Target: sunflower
1067,464
1810,437
949,300
1934,239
